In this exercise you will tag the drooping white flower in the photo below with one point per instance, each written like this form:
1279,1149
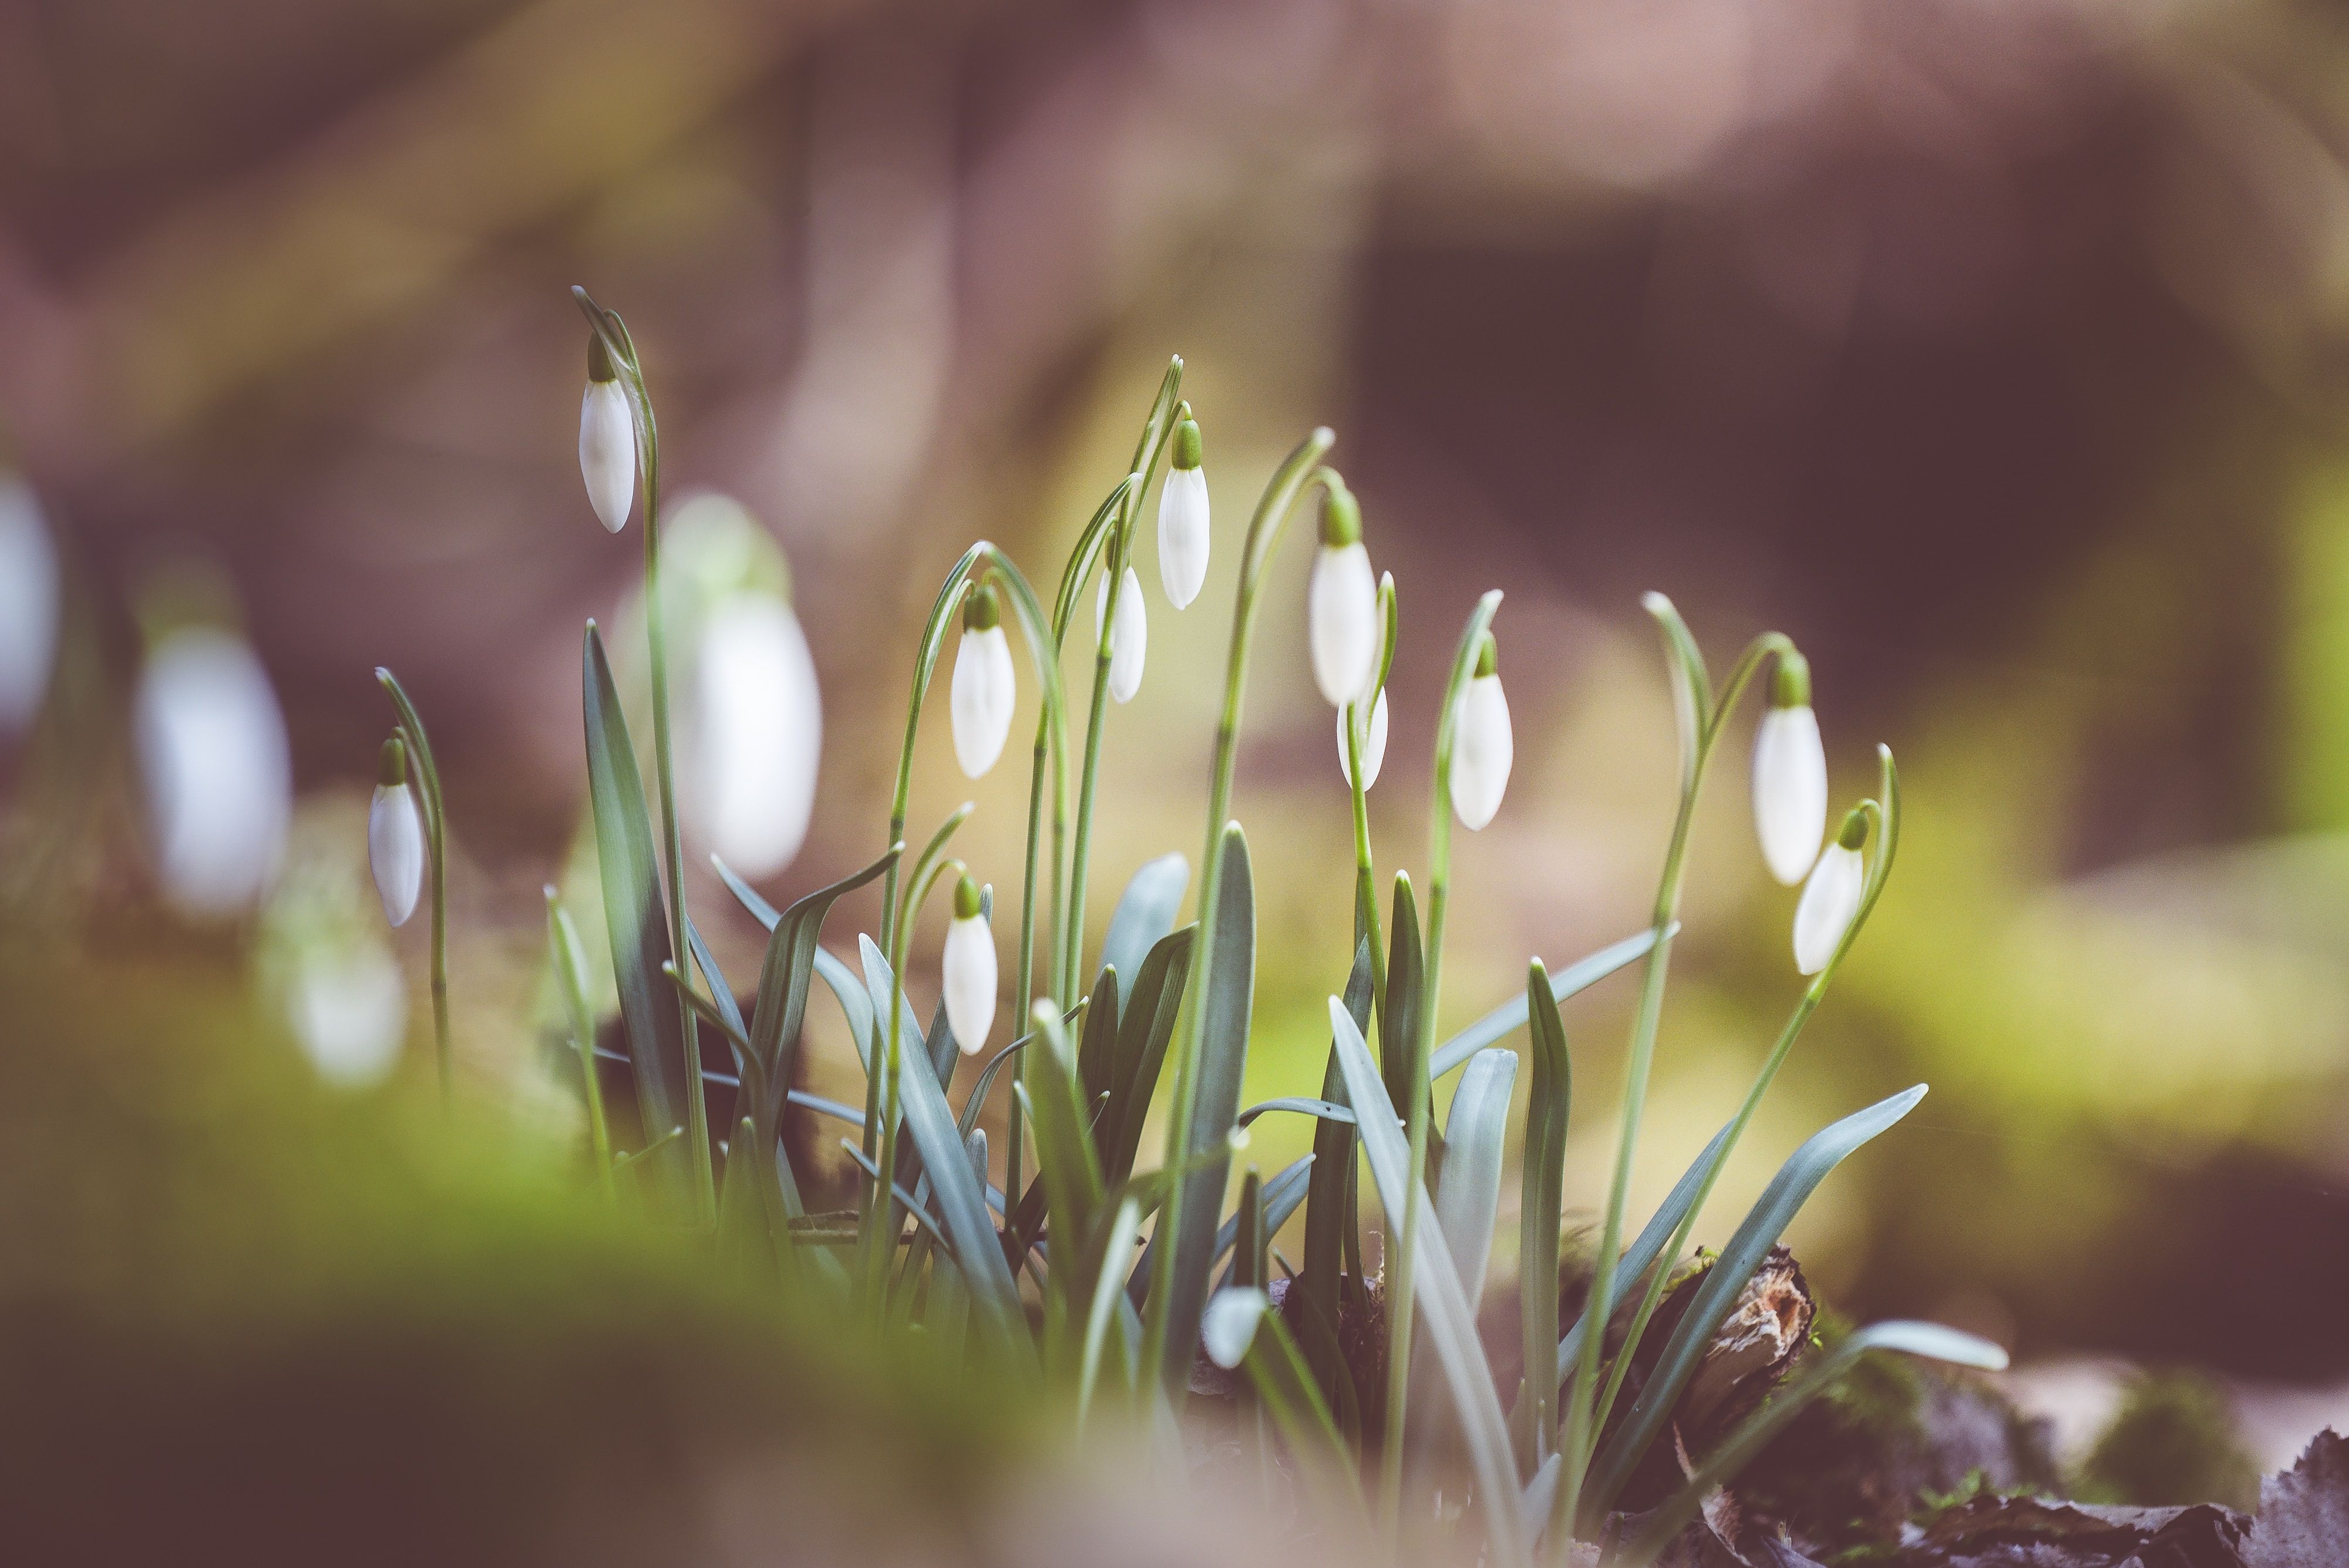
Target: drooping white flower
1483,746
1790,774
349,1009
986,685
28,605
395,837
1183,534
758,731
214,768
608,441
1374,743
1228,1325
969,970
1831,898
1342,605
1130,639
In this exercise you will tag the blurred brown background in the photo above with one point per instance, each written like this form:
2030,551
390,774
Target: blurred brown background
1993,351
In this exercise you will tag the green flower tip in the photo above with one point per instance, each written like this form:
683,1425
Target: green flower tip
1790,685
391,766
1855,829
599,360
966,899
1341,516
1488,657
982,611
1187,440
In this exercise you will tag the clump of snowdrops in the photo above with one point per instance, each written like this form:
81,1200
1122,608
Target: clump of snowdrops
1036,1266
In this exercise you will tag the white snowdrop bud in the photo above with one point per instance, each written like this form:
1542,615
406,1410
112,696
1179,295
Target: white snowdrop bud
985,688
1790,774
608,441
758,731
28,605
1374,743
1483,747
1228,1325
395,837
1341,607
1131,639
212,760
1831,899
1183,536
969,972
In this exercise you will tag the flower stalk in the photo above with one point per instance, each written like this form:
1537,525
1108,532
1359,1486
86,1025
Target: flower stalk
419,750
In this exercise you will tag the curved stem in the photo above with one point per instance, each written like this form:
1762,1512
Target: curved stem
1264,528
1421,1111
428,773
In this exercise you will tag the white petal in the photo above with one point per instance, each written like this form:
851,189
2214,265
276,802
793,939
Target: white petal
1183,534
28,606
1341,612
969,982
396,850
986,690
1483,750
1131,641
1374,744
214,763
758,734
1229,1325
1829,900
607,451
350,1013
1790,791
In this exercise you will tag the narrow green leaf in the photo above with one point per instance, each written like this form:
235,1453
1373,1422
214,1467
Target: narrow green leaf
1097,1052
1329,1215
634,919
1125,1221
1328,1110
1752,1241
1146,913
1285,1386
1443,1311
1540,1212
1251,1243
1146,1026
1496,1025
742,1217
1399,1013
1468,1198
1225,1013
1283,1195
1064,1154
1819,1374
781,1010
1643,1252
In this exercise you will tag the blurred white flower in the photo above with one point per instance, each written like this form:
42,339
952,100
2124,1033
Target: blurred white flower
1790,775
1183,532
969,972
608,441
758,733
28,605
213,763
1131,639
395,837
1483,746
1831,899
1228,1325
1374,743
348,1009
986,686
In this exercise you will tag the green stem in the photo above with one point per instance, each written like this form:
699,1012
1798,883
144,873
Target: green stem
1264,528
1421,1111
436,832
570,970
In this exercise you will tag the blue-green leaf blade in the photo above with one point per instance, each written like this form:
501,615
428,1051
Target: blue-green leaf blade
1146,913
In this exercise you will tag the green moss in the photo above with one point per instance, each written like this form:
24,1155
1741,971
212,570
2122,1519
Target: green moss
2172,1441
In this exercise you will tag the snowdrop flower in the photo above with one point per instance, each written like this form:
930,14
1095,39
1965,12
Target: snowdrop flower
1483,748
1342,605
758,731
969,966
1131,637
28,605
350,1010
608,441
212,760
986,689
1831,899
1183,518
1790,774
1228,1325
1374,743
395,837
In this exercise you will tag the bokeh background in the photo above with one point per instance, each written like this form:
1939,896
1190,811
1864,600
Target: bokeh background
1995,352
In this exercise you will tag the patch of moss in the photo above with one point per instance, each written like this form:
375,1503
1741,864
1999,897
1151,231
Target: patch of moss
2172,1441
